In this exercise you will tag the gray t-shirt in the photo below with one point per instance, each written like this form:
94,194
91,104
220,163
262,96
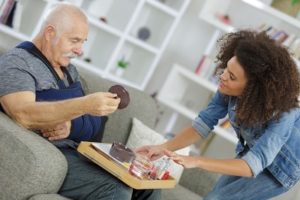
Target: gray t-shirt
21,71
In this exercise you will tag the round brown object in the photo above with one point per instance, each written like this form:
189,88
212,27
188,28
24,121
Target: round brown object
122,94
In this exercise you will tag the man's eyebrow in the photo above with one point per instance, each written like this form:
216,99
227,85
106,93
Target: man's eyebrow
78,39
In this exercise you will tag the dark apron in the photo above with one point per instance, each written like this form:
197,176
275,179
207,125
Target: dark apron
86,127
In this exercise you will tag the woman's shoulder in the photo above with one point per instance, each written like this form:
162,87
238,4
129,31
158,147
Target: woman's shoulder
293,115
296,112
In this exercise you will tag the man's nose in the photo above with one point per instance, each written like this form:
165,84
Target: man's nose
78,51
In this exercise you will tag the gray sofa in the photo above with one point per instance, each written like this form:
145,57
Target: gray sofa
32,168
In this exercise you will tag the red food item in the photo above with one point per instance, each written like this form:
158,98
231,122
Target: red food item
165,175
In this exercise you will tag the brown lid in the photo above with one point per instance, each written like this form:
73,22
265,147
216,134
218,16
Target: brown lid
122,94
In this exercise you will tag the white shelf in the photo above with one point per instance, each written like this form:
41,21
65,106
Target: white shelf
162,7
274,12
194,77
178,107
207,15
209,11
142,44
83,64
213,21
9,31
103,26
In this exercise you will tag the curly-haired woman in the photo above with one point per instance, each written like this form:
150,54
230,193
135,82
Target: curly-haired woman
259,90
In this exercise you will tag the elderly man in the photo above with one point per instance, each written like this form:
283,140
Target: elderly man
43,93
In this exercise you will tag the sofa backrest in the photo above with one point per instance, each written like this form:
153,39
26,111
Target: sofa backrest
142,106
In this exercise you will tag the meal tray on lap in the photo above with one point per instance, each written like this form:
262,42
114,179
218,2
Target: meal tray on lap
99,154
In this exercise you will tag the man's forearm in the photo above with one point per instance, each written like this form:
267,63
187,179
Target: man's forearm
36,115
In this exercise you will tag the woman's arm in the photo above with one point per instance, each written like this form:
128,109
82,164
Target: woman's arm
184,138
233,167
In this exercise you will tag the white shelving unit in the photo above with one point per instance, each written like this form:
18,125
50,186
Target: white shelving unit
115,26
257,14
186,93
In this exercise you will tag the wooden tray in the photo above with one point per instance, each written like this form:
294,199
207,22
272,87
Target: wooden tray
120,170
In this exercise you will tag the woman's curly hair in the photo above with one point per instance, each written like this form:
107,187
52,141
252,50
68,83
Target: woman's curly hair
273,79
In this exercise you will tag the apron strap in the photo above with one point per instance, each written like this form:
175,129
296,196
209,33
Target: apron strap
32,49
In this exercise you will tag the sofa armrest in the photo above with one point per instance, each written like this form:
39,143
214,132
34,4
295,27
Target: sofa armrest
29,164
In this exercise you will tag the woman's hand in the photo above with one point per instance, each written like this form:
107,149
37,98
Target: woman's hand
153,152
58,132
185,161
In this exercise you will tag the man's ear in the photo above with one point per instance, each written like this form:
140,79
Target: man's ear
49,33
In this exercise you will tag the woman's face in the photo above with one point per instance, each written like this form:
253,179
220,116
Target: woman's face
233,80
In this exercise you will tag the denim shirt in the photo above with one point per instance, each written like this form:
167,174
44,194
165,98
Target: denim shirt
274,146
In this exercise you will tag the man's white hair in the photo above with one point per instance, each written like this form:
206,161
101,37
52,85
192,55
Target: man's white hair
62,16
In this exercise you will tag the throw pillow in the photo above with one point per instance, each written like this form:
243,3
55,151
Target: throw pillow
141,135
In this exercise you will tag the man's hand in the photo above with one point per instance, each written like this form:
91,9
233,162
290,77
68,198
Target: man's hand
153,152
101,103
58,132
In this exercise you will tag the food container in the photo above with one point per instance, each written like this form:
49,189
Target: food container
141,167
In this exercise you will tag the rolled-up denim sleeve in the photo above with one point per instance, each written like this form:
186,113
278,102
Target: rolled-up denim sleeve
208,118
266,148
199,125
254,163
